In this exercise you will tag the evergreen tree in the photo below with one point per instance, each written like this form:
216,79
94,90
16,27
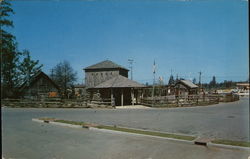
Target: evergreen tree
28,67
171,80
194,80
12,70
212,84
9,54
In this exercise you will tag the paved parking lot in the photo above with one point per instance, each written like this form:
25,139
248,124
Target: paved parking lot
23,138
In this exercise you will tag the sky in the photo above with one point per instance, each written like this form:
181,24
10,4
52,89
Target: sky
182,37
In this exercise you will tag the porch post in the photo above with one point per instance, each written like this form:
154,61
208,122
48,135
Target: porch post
112,98
122,97
132,96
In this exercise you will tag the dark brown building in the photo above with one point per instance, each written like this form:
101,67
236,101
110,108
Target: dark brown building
185,87
103,71
40,86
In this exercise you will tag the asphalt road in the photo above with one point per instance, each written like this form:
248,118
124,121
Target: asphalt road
22,138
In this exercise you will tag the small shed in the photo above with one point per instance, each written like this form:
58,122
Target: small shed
121,90
185,87
39,86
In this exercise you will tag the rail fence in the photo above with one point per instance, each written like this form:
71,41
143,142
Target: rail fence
181,100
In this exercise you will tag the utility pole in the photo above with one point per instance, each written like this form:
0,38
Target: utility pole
199,80
65,81
130,61
154,69
52,74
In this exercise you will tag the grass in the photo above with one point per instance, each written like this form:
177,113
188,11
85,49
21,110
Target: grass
152,133
47,119
70,122
233,143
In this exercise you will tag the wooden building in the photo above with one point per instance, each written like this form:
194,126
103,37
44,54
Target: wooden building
243,86
39,86
103,71
185,87
79,90
120,90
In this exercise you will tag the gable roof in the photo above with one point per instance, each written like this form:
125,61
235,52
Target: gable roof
36,77
188,83
105,64
119,82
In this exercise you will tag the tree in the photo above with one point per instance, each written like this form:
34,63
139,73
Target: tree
9,54
194,80
171,80
212,84
28,67
64,76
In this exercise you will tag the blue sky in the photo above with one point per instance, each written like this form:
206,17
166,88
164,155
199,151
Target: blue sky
210,36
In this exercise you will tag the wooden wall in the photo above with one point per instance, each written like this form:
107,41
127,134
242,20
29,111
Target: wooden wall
97,76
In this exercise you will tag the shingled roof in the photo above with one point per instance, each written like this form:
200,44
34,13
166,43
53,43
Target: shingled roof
119,82
188,84
35,78
105,64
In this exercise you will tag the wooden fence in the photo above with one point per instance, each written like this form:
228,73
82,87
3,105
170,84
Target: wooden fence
181,100
56,103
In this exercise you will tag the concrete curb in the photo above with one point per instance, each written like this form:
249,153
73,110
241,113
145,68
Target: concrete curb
227,146
155,131
209,144
135,134
57,123
65,124
38,120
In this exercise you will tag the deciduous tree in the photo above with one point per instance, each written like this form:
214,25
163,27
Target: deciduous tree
64,76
